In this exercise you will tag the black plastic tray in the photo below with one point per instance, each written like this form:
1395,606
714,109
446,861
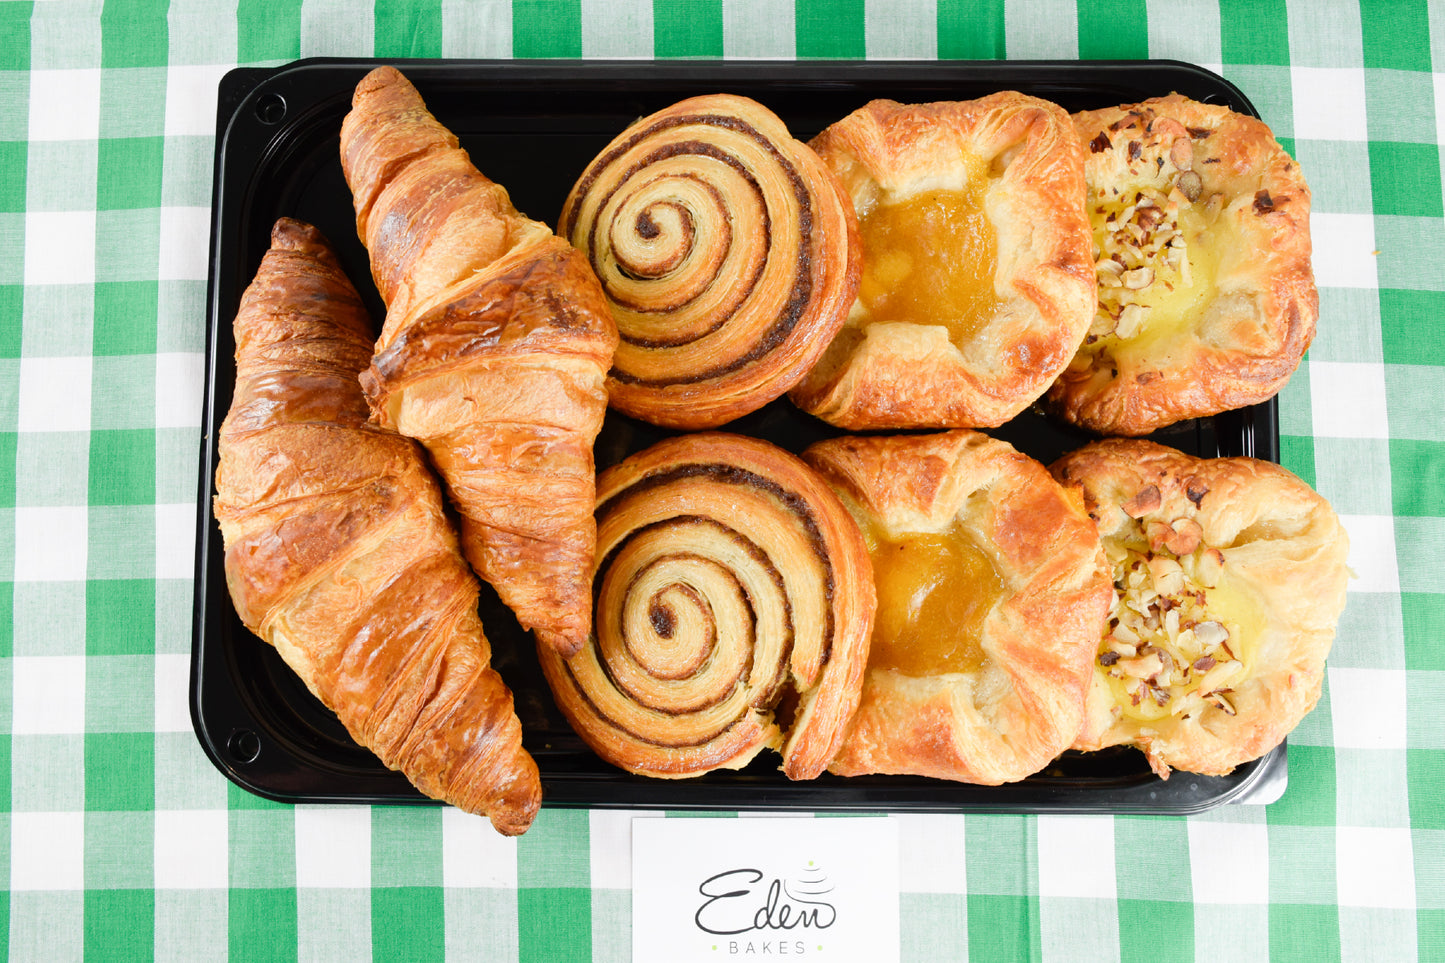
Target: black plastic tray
533,126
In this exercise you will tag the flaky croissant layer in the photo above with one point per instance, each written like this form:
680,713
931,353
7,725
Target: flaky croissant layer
338,552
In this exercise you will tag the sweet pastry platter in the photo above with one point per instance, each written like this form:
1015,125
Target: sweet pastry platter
745,487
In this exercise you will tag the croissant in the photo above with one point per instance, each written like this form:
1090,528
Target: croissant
339,555
494,354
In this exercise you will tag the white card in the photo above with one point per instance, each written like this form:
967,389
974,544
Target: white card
724,890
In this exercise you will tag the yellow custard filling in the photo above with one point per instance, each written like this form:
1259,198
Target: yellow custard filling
1182,631
1156,259
934,592
930,259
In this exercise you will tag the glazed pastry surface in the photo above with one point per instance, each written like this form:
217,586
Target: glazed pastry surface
1229,579
976,287
728,253
496,343
1207,299
734,605
338,552
992,589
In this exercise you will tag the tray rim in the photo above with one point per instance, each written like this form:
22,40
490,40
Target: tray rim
1261,781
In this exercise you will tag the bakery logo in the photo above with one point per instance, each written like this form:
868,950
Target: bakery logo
756,910
740,890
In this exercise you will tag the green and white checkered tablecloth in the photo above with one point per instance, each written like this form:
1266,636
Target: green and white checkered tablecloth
120,841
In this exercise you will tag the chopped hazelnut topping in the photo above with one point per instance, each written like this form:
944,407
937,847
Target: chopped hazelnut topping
1184,537
1220,676
1209,567
1181,152
1124,640
1167,574
1190,185
1157,532
1138,278
1133,243
1143,502
1130,318
1142,666
1221,703
1162,645
1211,633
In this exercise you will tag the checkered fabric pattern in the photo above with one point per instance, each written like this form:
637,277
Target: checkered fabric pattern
120,841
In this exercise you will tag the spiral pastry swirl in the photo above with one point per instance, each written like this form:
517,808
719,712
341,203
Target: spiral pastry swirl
729,254
731,583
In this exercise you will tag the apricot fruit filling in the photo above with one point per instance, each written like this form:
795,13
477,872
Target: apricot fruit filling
934,592
930,259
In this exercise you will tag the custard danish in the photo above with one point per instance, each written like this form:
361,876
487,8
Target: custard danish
1207,300
1229,579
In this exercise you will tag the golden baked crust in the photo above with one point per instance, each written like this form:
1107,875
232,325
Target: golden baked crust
1206,296
1018,160
1024,701
728,253
1229,579
730,583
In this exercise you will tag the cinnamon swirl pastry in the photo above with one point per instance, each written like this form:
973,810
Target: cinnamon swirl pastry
728,252
1229,578
1207,300
992,589
976,286
734,605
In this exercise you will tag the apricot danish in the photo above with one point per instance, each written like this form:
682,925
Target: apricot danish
976,287
992,590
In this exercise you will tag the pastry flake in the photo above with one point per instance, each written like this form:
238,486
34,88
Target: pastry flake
1229,578
1206,297
977,286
